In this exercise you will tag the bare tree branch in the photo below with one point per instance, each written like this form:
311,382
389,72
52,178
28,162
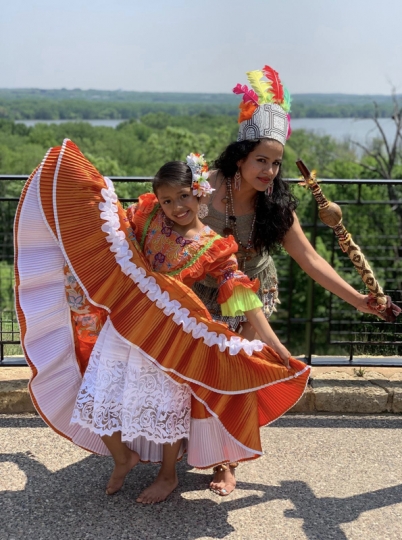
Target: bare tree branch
371,169
380,162
377,123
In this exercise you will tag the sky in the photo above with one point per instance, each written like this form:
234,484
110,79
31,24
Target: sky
317,46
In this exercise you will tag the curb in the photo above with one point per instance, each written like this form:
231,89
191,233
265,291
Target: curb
330,390
14,394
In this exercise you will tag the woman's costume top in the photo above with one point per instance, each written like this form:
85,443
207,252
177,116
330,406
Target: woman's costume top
259,267
69,213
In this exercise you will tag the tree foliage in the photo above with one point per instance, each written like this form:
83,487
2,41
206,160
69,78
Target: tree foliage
138,147
33,103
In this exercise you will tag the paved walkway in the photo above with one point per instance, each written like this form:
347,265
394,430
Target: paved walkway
323,477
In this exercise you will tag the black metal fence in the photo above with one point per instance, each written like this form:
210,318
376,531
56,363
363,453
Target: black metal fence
314,324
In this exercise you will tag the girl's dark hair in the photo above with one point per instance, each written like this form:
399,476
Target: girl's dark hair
274,214
173,173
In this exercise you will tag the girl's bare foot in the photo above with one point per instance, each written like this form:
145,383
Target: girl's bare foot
159,490
224,481
120,471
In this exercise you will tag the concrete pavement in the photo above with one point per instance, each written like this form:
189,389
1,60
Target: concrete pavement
323,477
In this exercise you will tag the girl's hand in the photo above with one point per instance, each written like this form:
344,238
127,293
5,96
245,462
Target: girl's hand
282,351
260,324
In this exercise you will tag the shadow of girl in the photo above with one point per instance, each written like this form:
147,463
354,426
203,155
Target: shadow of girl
71,503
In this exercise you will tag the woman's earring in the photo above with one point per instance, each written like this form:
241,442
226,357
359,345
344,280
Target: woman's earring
270,189
202,211
237,179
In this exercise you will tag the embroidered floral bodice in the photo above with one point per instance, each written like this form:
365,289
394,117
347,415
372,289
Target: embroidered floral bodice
188,260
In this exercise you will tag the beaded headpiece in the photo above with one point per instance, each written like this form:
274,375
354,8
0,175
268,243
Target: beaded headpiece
199,169
264,111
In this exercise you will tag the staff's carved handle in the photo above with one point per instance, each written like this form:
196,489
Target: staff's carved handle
331,214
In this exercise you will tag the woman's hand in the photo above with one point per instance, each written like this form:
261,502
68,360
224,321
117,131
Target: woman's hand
363,306
368,304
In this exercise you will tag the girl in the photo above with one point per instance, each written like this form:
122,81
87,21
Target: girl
162,377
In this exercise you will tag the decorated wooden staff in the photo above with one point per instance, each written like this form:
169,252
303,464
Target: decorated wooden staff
331,214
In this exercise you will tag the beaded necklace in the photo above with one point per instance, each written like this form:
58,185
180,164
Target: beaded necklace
231,226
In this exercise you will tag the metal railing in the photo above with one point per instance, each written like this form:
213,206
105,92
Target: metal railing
315,325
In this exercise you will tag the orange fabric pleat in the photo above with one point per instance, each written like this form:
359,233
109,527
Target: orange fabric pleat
209,372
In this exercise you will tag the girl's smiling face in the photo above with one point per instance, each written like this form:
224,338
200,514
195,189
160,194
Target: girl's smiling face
179,205
261,166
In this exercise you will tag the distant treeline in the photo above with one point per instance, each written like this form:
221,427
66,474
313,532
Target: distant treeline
36,104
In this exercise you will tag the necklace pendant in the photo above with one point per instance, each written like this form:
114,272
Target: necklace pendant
227,231
233,218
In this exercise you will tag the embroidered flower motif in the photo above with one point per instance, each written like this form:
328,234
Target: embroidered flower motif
69,279
75,300
160,258
182,241
88,320
167,231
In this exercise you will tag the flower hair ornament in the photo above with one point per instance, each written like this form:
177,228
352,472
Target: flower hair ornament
265,108
199,168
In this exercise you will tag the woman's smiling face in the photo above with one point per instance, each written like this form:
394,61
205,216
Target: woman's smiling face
179,204
261,166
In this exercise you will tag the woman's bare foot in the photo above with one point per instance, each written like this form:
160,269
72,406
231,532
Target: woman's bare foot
224,481
159,490
120,472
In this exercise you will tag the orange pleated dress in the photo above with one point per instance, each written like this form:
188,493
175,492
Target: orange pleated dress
160,369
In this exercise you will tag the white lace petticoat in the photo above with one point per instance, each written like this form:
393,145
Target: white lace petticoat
124,391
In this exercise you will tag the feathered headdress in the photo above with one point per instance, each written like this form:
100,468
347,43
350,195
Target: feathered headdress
265,108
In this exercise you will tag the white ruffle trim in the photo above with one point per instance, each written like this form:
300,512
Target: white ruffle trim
147,285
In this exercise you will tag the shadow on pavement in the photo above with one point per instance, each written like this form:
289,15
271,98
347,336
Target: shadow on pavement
319,420
71,503
340,421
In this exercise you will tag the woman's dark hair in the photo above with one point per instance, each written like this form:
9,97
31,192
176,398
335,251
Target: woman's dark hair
173,173
274,214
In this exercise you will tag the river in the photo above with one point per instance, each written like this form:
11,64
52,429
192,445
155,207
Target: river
341,129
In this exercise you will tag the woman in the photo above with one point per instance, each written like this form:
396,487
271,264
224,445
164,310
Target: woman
252,202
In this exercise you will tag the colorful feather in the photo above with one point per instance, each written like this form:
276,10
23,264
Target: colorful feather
249,94
246,110
262,88
276,86
288,134
286,100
